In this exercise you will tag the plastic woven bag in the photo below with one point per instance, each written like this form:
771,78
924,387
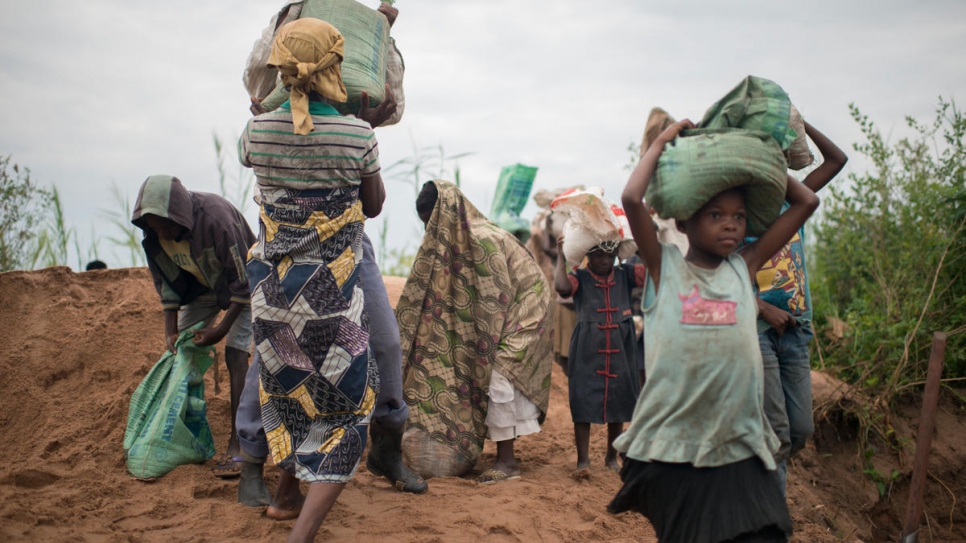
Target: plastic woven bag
167,423
512,193
366,34
702,163
592,220
755,104
431,458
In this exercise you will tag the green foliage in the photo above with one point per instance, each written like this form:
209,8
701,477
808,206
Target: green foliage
890,257
55,238
426,164
23,206
130,236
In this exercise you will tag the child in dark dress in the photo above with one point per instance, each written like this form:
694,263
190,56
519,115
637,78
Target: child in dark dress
603,371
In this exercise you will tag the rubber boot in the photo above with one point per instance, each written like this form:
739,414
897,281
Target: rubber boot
385,459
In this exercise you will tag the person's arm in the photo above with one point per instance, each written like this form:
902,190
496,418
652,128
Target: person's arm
833,160
638,213
561,282
170,329
373,194
210,336
777,318
802,203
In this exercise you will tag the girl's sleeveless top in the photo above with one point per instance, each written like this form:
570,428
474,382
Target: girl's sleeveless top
702,402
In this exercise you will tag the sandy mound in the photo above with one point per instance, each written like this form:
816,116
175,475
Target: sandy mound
76,345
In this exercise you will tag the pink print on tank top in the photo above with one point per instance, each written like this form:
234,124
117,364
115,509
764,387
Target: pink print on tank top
705,312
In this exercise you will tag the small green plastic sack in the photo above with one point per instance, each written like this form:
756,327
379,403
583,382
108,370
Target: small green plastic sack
755,104
167,423
512,193
702,163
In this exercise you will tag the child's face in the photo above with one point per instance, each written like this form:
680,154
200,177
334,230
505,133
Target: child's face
718,228
600,262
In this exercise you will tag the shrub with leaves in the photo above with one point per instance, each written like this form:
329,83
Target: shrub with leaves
23,206
890,258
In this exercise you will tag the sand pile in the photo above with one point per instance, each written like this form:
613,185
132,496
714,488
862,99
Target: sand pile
74,348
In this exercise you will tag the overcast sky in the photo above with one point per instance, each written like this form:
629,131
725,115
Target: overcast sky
105,93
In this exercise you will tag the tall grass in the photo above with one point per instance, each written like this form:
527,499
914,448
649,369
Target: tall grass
52,244
129,239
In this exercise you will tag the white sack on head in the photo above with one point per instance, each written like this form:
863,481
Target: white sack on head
544,197
592,221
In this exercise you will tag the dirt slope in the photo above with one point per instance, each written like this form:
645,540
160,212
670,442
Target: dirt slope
75,346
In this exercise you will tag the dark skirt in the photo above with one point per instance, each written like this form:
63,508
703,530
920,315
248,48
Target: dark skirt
742,501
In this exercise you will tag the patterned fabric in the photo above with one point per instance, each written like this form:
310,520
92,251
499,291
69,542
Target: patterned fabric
338,153
475,301
318,380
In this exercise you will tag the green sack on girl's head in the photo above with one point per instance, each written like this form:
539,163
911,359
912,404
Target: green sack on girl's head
755,104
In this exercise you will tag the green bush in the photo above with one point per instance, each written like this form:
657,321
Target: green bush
23,206
890,256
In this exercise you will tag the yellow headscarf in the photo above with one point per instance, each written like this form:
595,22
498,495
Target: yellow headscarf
308,53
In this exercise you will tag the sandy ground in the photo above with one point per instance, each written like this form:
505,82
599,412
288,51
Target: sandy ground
75,346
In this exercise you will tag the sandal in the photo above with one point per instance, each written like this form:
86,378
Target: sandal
228,467
492,476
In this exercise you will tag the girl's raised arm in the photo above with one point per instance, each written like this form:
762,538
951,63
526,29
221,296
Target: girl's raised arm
638,213
802,203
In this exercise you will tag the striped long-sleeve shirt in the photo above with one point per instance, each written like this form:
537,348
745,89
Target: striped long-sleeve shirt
339,152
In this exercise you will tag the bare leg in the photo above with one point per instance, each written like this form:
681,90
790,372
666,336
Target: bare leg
582,439
317,505
505,459
237,362
288,500
614,429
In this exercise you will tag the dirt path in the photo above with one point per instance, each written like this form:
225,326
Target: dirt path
76,345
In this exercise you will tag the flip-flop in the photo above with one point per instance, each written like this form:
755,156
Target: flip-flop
492,476
228,467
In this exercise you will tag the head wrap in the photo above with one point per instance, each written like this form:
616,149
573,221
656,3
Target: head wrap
308,53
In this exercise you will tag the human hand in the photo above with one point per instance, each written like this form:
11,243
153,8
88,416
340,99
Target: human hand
256,107
207,336
169,342
777,318
674,130
390,12
379,114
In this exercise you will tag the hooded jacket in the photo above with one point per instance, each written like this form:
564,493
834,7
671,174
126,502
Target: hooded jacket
218,235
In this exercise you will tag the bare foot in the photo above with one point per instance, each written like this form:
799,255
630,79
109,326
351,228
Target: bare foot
612,464
285,511
581,474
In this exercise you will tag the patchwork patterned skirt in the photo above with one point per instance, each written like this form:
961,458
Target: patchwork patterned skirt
318,381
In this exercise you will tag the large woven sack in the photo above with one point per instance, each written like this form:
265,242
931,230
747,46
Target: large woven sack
167,424
754,104
798,154
703,162
657,121
367,50
592,220
431,458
